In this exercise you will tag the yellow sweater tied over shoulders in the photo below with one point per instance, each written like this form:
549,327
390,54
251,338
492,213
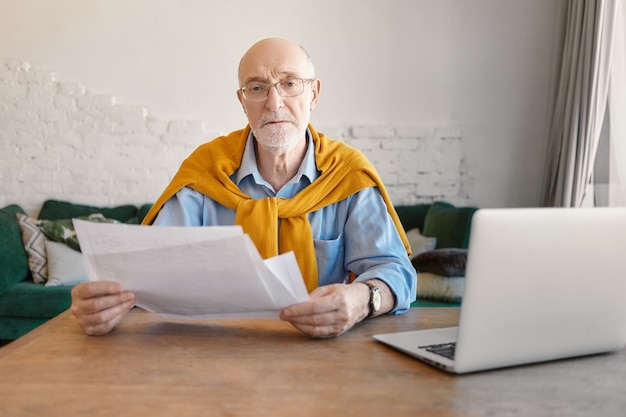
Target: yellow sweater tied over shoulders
344,171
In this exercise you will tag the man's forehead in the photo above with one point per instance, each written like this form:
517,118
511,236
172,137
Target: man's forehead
271,72
272,60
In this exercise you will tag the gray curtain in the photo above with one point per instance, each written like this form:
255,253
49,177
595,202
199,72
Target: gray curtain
580,102
617,109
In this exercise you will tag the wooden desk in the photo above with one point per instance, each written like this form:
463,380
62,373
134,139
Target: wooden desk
150,366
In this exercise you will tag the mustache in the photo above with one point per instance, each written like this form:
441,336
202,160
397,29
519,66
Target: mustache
275,117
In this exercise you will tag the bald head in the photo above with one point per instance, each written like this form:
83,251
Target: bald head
275,57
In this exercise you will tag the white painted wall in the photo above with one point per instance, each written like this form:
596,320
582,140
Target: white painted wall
482,66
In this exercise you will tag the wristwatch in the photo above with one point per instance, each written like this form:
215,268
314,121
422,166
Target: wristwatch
376,299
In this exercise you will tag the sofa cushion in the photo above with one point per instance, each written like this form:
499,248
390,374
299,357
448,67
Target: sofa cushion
35,246
141,213
420,243
36,233
437,287
445,262
15,327
62,230
27,299
13,259
413,216
449,224
441,274
56,210
66,266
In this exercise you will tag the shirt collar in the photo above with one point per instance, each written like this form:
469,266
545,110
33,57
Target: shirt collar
249,166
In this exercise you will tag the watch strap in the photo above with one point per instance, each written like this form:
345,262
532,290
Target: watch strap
374,306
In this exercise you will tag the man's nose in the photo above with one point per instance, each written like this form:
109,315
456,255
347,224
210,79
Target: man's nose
274,100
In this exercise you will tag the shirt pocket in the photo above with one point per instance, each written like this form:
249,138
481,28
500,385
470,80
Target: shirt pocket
330,255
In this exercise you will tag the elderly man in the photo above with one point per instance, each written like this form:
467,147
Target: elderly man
290,188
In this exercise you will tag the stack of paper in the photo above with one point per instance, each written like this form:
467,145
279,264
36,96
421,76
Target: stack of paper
192,272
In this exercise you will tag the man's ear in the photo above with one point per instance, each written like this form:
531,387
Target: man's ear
240,98
316,88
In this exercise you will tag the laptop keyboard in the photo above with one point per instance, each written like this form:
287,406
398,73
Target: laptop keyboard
443,349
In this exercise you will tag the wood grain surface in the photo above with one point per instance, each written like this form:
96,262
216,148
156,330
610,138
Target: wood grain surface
153,366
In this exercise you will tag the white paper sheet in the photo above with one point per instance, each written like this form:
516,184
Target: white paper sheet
191,272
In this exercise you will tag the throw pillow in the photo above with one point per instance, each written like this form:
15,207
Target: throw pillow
437,287
34,244
65,265
445,262
449,224
57,210
420,243
63,230
36,232
413,216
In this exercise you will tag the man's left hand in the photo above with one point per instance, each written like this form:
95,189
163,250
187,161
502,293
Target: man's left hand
331,311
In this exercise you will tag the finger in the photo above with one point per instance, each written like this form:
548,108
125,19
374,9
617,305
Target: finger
90,297
307,311
81,306
333,329
322,325
322,300
92,289
103,321
100,306
323,291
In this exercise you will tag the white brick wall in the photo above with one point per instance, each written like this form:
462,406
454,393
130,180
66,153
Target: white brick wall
417,163
59,140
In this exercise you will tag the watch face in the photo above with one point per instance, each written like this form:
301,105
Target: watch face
376,299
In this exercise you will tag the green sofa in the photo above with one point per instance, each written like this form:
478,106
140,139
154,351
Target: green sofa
444,221
449,224
24,304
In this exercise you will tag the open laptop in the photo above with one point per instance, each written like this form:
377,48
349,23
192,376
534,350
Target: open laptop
540,284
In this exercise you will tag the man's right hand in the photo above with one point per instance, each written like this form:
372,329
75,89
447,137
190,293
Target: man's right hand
100,305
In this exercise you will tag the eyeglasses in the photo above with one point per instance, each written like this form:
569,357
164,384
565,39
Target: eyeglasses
255,91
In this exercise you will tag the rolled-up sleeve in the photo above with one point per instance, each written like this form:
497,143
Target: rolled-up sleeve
374,249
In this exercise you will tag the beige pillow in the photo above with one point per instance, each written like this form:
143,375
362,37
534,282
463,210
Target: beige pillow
66,266
437,287
420,243
34,244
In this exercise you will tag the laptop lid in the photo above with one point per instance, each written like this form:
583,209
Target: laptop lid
541,284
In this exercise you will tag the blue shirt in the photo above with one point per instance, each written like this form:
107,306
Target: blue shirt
356,234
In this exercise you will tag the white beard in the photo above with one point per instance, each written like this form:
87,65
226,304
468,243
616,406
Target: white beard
279,139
